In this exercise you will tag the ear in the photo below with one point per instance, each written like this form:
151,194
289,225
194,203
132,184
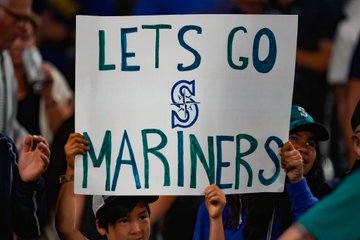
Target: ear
356,144
101,230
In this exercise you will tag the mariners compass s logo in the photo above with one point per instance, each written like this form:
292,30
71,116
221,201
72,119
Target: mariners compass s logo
187,110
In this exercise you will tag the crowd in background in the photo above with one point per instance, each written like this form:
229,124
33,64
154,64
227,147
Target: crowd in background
326,83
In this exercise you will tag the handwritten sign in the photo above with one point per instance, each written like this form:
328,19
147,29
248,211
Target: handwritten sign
173,103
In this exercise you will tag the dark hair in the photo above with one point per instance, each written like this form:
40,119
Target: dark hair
315,177
110,213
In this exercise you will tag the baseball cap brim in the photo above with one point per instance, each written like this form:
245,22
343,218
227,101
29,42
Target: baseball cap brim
147,199
320,132
104,202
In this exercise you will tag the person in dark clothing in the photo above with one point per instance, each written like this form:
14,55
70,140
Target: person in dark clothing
22,190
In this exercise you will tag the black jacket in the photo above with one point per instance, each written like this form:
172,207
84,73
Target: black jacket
22,205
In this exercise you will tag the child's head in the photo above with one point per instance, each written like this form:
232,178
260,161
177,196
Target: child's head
121,217
305,134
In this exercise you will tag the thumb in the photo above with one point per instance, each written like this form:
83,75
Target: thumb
287,147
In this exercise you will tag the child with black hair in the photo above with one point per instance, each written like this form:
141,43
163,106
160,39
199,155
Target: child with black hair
116,217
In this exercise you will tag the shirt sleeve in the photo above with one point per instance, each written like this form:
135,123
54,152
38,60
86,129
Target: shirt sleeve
301,198
337,215
202,225
29,205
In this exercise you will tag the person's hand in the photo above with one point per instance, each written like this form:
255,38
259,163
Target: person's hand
215,201
291,162
75,145
33,162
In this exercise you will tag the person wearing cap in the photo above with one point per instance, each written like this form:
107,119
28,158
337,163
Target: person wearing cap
122,217
267,215
116,217
337,215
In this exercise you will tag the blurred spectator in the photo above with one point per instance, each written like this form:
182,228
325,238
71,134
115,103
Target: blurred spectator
316,28
12,19
347,35
354,92
23,202
57,36
44,97
57,41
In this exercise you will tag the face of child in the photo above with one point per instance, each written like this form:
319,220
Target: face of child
305,143
135,226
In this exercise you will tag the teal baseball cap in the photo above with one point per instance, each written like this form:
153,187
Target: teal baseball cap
300,120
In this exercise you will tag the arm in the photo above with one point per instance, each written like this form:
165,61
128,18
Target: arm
29,202
160,207
296,232
215,201
301,198
300,195
70,206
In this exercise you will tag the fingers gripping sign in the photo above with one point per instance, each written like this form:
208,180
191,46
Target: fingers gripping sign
215,200
292,162
76,144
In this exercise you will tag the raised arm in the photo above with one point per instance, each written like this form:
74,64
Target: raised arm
70,206
215,202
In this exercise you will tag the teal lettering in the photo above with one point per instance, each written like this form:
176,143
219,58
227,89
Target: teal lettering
124,53
155,151
180,135
220,163
157,38
267,64
102,65
243,60
196,151
273,158
197,56
131,162
241,161
105,151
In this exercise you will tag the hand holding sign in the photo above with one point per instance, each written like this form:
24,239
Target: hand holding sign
291,162
75,145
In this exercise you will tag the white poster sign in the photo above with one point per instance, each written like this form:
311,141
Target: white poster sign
173,103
